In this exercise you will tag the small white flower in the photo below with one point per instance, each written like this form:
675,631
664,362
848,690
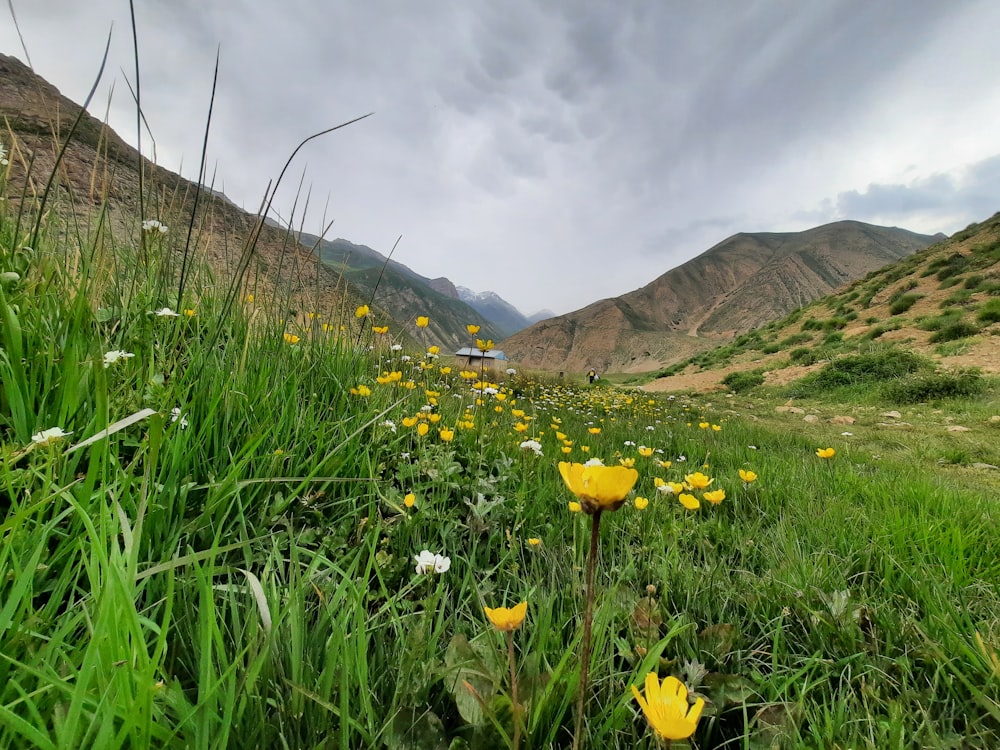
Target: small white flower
594,462
3,156
405,358
166,312
389,424
177,416
681,459
847,434
426,407
532,445
397,347
630,443
152,225
49,436
650,428
429,562
114,355
752,447
665,489
511,371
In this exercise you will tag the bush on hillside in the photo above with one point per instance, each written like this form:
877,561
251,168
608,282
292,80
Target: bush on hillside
873,367
904,303
989,312
739,382
934,386
954,331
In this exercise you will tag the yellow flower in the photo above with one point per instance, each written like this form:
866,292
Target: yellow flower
472,329
409,421
641,502
433,350
826,452
574,507
716,427
484,346
380,329
689,501
645,452
627,462
594,430
715,496
747,476
409,500
445,370
361,390
423,428
598,487
676,487
291,338
703,425
423,321
666,707
534,541
507,619
446,434
521,427
697,481
666,464
189,312
567,449
362,312
249,298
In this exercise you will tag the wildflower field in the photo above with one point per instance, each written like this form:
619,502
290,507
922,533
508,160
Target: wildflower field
228,524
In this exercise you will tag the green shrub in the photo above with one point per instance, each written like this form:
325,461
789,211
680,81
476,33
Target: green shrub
904,303
946,318
795,338
803,355
972,281
834,337
811,324
960,330
934,386
989,312
738,382
872,367
771,349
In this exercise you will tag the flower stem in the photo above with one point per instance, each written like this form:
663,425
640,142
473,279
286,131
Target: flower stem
513,690
588,619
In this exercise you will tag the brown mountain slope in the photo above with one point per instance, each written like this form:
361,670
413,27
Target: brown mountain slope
942,302
741,283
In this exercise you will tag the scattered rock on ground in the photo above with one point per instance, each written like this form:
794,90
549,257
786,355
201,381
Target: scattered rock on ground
958,428
843,420
978,465
810,418
796,410
995,418
891,414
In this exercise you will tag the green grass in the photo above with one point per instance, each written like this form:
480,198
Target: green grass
244,576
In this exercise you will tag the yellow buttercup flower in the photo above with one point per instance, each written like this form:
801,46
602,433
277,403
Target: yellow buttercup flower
249,298
641,502
380,329
423,428
598,487
594,430
627,462
697,481
291,338
826,452
574,507
472,329
409,500
645,451
534,541
361,390
446,434
423,321
689,501
409,421
747,476
703,425
189,312
362,311
484,346
667,709
507,619
715,496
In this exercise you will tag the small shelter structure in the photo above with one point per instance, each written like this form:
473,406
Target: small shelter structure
493,359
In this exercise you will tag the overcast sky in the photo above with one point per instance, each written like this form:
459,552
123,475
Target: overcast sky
557,151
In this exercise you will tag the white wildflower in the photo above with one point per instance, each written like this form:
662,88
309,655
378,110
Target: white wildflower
511,371
532,445
3,156
429,562
681,458
389,424
630,443
177,416
665,489
152,225
405,358
166,312
49,436
114,355
396,347
594,462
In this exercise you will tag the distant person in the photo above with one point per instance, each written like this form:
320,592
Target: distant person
592,375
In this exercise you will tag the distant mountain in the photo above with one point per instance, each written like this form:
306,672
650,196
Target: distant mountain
541,315
745,281
507,318
403,293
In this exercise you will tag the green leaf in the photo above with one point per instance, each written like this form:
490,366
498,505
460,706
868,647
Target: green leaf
469,679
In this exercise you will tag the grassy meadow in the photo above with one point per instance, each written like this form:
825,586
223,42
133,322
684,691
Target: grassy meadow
214,509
